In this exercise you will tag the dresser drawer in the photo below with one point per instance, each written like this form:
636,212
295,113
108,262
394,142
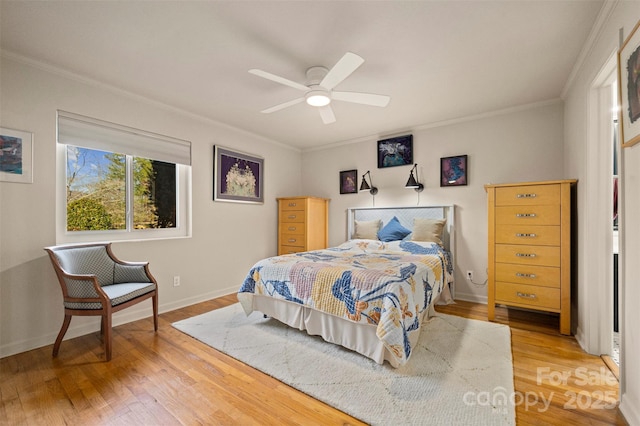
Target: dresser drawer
285,249
296,228
292,204
528,295
528,234
292,239
528,255
528,195
544,276
297,216
530,215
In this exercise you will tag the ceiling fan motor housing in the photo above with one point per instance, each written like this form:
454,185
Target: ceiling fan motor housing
315,75
317,96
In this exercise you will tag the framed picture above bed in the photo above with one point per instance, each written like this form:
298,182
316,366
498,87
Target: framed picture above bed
237,177
349,182
629,88
396,151
453,171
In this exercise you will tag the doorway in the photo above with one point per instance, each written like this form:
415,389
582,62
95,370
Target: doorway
598,188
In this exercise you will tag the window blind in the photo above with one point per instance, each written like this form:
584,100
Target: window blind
86,132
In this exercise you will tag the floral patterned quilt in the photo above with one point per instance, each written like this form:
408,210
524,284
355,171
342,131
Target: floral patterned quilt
388,284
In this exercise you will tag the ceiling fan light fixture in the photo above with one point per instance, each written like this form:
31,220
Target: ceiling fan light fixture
318,98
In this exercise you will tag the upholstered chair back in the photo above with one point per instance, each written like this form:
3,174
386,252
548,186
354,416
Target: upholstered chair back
88,260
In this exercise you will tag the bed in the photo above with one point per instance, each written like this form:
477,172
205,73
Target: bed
367,295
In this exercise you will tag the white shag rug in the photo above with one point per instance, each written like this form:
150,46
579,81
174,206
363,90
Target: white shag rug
461,372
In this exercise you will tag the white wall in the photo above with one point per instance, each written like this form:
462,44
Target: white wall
209,263
519,145
581,148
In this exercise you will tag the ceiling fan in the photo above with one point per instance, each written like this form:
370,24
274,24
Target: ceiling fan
318,91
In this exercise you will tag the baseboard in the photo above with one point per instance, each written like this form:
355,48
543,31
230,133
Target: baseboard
629,411
580,338
470,297
92,324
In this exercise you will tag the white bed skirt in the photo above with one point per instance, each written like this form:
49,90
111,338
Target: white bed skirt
358,337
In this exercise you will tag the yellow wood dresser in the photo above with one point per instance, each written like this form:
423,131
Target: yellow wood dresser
303,224
530,247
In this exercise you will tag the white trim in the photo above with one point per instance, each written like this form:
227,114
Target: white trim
596,325
596,31
631,414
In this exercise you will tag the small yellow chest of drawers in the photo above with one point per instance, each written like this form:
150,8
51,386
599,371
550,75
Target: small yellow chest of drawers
303,224
529,252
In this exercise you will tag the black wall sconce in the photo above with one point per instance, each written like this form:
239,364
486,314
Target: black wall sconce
413,182
364,186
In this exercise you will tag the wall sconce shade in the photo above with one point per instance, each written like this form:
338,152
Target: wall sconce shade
413,183
366,186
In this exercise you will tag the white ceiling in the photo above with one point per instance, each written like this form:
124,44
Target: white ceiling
438,60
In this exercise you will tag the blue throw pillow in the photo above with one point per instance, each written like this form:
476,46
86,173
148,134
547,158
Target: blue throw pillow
393,231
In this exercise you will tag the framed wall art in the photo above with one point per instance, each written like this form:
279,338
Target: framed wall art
237,177
453,171
396,151
349,182
629,88
16,156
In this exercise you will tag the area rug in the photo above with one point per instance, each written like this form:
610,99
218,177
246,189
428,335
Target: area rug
461,372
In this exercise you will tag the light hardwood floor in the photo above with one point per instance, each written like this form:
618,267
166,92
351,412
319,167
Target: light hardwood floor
170,378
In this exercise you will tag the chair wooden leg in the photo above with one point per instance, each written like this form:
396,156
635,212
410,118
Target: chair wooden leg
107,336
63,330
154,302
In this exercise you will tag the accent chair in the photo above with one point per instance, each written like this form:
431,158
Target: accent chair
96,283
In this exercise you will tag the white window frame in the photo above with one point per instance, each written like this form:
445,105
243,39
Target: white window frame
138,139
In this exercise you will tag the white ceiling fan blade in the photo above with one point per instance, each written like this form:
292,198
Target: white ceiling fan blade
282,106
278,79
362,98
327,114
341,70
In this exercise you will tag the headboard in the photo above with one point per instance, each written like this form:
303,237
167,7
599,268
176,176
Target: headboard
406,215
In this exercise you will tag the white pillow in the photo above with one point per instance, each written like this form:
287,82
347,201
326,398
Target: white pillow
367,229
428,230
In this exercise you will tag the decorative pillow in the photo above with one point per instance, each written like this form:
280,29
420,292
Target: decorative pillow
428,230
393,231
367,229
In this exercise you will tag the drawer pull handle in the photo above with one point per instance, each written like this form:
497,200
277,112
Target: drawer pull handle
292,216
526,235
525,215
292,240
525,254
520,274
526,196
292,228
292,204
526,295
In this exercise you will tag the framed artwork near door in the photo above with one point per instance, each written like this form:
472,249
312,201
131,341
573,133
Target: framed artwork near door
629,88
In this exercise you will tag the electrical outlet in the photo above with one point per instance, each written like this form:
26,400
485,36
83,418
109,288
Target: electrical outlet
176,281
470,275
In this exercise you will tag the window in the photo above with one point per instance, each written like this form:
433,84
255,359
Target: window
121,182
